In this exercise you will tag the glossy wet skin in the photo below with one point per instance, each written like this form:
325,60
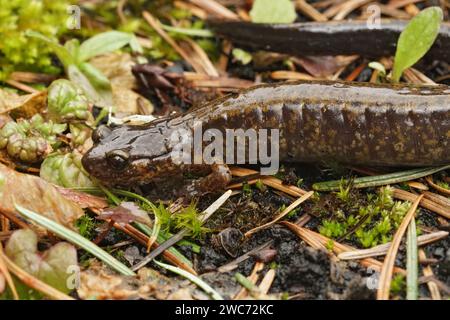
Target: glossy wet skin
326,38
128,155
356,123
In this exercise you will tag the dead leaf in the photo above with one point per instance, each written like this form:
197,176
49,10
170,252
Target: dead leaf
22,106
83,199
126,213
117,68
52,266
323,66
37,195
100,284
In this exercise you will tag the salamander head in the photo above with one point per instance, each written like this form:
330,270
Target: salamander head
127,155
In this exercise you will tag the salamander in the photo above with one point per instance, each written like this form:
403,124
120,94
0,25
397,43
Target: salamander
351,123
327,38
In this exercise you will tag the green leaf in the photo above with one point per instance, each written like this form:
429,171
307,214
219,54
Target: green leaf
103,43
417,38
194,279
242,56
412,262
62,52
380,180
273,11
66,102
65,170
76,239
100,96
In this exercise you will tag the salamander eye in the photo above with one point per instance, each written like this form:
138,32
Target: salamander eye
118,159
100,133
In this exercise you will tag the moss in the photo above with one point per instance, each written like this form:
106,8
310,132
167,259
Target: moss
368,222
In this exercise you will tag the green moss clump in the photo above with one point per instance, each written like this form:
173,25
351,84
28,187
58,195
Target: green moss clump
19,52
370,222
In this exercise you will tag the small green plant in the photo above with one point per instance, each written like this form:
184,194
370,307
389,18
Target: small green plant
247,189
344,191
330,245
443,184
372,221
189,218
260,185
398,284
332,229
75,56
417,38
86,226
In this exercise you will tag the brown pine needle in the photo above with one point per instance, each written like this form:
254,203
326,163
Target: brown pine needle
253,278
425,203
383,248
291,207
155,24
215,9
437,187
309,235
388,264
267,180
310,11
428,272
267,281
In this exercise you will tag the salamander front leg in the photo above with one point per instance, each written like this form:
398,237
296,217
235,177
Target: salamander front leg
217,180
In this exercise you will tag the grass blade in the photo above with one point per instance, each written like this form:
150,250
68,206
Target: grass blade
380,180
194,279
76,239
412,267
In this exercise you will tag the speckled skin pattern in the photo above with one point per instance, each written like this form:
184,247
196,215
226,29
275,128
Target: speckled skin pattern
350,123
326,38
